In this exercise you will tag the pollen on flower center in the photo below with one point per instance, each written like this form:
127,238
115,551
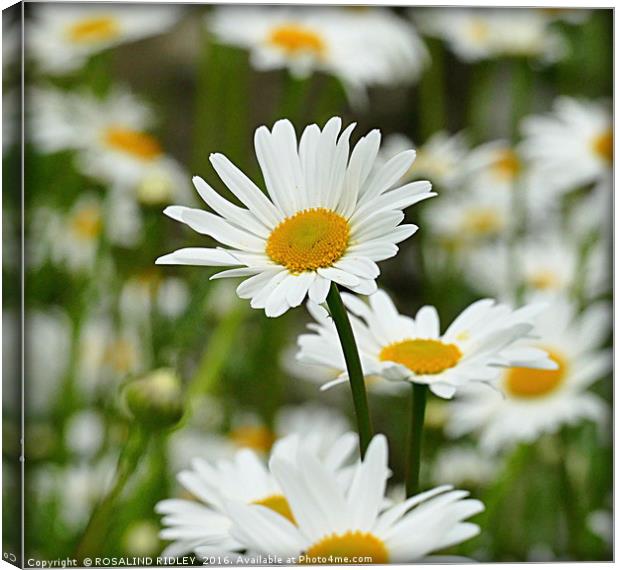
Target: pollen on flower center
422,356
295,39
258,438
533,383
351,547
309,240
544,279
86,223
94,30
603,145
136,143
482,222
278,504
507,166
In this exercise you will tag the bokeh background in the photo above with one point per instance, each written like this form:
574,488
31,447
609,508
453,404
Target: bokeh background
99,313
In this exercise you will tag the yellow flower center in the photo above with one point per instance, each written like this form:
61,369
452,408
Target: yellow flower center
478,31
93,30
258,438
120,356
351,547
482,222
603,146
544,279
295,39
86,223
422,356
507,165
136,143
278,504
309,240
533,383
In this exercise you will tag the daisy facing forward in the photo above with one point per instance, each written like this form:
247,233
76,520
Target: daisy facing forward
62,37
333,40
400,348
541,401
328,218
330,523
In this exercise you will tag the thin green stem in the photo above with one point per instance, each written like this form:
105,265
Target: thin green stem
416,431
571,500
432,110
102,517
354,365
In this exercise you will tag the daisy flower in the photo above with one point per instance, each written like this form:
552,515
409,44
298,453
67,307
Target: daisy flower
400,348
335,524
493,164
541,401
61,37
465,466
440,158
112,140
360,47
328,217
476,34
572,146
244,479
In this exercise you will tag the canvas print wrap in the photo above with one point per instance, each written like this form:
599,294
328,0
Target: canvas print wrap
294,284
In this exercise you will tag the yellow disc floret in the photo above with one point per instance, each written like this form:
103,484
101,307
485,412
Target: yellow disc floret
533,383
482,222
86,223
93,30
507,165
135,143
295,39
422,356
349,548
259,438
309,240
278,504
603,145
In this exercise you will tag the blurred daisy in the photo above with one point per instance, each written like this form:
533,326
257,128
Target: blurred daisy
328,218
547,265
244,479
464,466
61,37
70,239
475,34
360,47
440,158
331,521
493,165
541,401
400,348
572,146
112,140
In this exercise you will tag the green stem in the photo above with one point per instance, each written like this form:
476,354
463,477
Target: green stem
416,430
354,366
431,93
571,500
102,518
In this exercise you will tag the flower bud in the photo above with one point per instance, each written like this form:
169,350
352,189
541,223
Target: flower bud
155,400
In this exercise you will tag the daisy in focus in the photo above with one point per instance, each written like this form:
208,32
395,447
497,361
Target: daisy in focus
244,479
328,218
360,47
536,402
352,522
403,349
112,139
476,34
440,158
572,146
61,38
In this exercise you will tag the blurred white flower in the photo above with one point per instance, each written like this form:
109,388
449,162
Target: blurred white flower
243,479
601,523
570,147
402,349
464,466
494,164
84,433
112,140
541,401
362,47
353,520
61,37
70,239
440,159
474,34
328,218
141,538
